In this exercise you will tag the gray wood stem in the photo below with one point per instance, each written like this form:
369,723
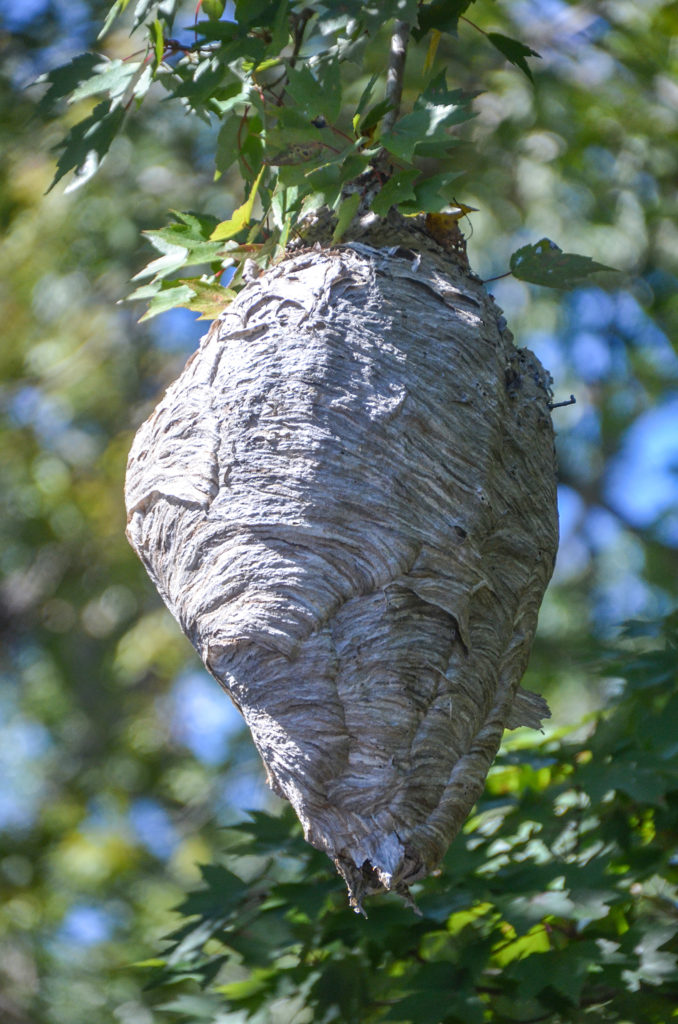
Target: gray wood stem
396,73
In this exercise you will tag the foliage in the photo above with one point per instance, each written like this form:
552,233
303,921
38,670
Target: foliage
113,785
545,263
281,81
560,898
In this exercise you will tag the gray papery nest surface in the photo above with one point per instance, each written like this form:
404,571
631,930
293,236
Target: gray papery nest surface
348,501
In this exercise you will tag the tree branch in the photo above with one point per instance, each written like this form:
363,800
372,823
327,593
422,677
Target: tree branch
396,71
299,22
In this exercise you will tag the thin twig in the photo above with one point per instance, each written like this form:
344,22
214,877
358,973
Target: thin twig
396,72
473,25
559,405
299,22
498,277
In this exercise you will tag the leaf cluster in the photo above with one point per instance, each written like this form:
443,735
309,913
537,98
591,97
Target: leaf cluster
295,122
559,899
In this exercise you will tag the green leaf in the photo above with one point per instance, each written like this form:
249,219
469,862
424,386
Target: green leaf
240,217
313,96
281,28
426,129
372,15
193,226
87,143
545,263
294,140
514,51
346,213
374,116
398,189
195,1009
329,75
227,144
442,15
524,911
208,299
251,993
282,199
342,985
305,90
656,965
117,8
440,990
427,194
565,970
163,295
268,833
112,77
366,94
174,256
165,10
157,39
233,95
213,8
177,255
224,886
182,244
63,80
642,779
232,37
202,83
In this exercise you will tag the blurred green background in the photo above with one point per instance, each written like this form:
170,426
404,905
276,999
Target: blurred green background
119,757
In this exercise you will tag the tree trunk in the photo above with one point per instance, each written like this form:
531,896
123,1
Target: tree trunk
348,501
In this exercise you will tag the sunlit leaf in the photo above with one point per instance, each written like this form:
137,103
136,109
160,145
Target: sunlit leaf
117,8
213,8
157,39
164,10
208,299
110,77
241,217
161,296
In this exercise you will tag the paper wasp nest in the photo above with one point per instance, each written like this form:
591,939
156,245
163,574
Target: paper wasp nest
348,501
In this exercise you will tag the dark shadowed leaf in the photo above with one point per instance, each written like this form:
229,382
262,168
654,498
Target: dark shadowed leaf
514,51
442,993
441,15
223,892
545,263
63,80
426,128
87,142
397,189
